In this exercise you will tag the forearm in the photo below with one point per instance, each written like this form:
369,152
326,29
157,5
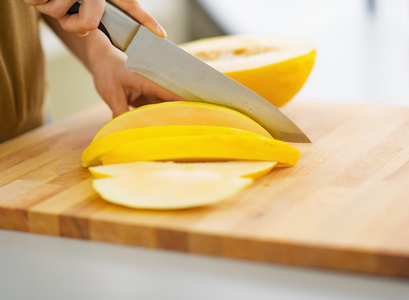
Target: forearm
118,86
87,48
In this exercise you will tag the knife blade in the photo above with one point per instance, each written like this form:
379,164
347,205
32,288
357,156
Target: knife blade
164,63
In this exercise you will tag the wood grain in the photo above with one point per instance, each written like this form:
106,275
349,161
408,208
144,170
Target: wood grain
345,206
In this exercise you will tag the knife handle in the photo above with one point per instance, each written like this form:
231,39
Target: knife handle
118,26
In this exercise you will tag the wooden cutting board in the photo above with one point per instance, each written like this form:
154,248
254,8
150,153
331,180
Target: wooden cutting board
344,206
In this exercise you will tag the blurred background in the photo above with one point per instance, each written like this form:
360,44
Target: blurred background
362,46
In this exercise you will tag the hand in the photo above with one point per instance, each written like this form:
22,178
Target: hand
121,88
90,14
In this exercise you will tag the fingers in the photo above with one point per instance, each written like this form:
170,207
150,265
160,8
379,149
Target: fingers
142,91
54,8
87,18
133,90
119,107
90,14
34,2
117,102
134,9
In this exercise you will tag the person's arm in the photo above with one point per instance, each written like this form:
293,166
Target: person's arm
118,86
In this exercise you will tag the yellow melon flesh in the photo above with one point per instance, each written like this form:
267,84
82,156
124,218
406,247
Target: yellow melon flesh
181,113
248,169
276,68
204,148
91,155
170,189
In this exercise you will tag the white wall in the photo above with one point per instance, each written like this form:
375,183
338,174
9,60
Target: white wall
362,53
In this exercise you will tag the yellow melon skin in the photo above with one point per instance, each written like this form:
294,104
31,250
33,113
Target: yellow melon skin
91,155
204,148
277,83
247,169
274,67
182,114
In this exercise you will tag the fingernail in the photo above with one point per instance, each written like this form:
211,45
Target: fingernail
162,31
84,33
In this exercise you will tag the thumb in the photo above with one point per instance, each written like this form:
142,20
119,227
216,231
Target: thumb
134,9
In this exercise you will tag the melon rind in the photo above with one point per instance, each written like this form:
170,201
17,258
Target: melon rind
181,113
91,155
204,148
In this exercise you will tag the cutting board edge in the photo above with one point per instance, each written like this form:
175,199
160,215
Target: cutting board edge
350,260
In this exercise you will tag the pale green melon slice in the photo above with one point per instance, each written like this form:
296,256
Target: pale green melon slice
170,189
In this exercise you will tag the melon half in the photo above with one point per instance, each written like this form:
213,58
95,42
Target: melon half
276,68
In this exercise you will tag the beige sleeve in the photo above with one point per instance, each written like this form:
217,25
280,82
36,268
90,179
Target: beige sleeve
21,69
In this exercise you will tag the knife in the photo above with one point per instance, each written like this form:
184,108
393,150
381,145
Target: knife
176,70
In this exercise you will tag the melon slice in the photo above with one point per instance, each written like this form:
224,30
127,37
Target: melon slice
248,169
181,113
204,148
170,189
274,67
91,155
